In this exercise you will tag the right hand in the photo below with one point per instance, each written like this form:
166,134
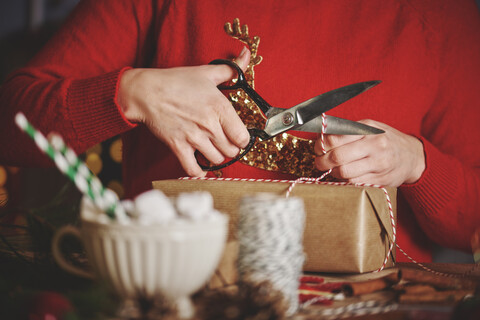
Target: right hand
184,108
388,159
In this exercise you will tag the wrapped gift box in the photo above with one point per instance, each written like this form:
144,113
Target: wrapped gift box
348,228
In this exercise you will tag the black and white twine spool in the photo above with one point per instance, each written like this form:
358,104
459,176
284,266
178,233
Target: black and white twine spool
270,233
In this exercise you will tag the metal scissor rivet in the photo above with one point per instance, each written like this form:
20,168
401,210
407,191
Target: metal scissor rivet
287,118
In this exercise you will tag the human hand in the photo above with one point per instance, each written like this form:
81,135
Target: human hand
388,159
183,108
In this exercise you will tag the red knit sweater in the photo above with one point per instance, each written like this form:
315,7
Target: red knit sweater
427,54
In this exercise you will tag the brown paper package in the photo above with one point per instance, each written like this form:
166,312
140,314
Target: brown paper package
347,230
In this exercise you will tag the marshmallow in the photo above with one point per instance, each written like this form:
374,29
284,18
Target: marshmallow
195,205
129,206
152,207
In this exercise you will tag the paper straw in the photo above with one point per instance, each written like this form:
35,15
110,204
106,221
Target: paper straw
75,169
106,198
70,156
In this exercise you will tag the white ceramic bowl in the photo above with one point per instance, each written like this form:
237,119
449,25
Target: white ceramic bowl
172,260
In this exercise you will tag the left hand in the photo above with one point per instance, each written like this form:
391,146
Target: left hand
389,159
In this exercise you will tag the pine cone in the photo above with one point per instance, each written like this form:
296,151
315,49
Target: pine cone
248,302
157,308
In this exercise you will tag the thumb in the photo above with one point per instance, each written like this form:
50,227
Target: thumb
243,59
224,72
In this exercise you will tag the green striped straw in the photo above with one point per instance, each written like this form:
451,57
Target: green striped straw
76,164
75,169
106,198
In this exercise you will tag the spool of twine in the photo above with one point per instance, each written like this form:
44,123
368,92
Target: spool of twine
270,234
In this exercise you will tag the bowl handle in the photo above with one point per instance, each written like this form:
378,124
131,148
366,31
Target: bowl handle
58,255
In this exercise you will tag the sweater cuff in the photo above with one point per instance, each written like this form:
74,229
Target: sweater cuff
436,187
93,108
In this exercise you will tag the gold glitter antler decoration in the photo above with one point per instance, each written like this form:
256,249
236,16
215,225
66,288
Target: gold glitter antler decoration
240,32
285,153
245,107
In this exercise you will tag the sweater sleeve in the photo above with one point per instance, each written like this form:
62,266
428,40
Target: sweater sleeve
70,86
446,199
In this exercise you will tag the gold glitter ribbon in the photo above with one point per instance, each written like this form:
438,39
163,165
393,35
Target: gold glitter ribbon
285,153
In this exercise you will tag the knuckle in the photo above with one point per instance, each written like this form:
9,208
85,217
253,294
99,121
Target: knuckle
176,143
242,138
332,140
367,121
232,152
218,159
214,131
343,172
195,141
220,104
335,157
193,171
207,122
382,142
372,123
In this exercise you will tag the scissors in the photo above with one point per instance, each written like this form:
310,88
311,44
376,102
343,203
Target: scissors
305,116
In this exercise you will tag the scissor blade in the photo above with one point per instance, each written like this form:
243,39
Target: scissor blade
290,119
338,126
314,107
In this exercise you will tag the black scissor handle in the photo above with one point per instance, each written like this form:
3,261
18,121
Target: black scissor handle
251,143
242,83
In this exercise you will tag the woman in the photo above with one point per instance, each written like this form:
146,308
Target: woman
140,69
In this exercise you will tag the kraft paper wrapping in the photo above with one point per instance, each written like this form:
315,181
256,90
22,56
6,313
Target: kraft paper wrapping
348,228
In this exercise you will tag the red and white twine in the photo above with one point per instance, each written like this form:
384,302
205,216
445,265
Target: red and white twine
322,143
317,180
305,180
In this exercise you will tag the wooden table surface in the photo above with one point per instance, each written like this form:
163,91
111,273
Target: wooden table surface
377,305
383,304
